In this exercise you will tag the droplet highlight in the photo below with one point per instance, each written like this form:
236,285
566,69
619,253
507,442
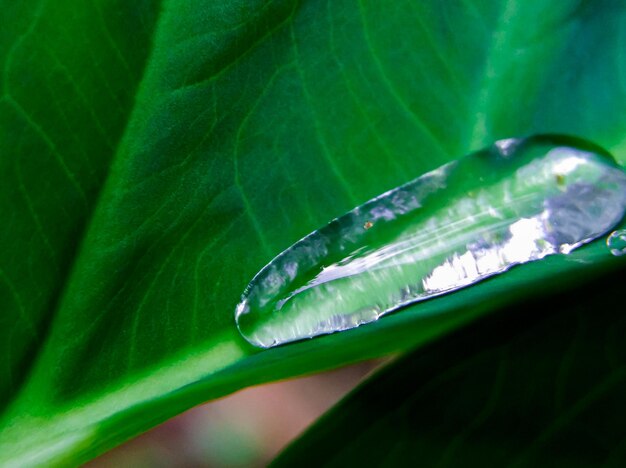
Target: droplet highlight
514,202
616,242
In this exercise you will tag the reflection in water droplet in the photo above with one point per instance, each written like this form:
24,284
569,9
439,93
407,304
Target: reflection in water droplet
517,201
616,242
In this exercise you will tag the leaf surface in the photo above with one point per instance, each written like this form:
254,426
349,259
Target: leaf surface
156,156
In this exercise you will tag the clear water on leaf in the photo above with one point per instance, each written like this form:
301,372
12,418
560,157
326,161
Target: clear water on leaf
616,242
514,202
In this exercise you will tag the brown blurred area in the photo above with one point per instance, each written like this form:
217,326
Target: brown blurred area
246,429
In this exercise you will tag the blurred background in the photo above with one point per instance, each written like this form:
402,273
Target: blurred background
246,429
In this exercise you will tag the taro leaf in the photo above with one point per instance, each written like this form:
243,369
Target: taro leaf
155,156
541,385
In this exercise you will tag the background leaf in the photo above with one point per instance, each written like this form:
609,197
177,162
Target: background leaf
541,385
140,197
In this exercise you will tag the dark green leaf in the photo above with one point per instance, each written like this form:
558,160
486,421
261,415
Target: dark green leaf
541,385
154,157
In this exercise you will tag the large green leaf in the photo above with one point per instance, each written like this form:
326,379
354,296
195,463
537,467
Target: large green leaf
154,157
542,385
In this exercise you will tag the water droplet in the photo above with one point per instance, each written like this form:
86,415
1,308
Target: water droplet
616,242
517,201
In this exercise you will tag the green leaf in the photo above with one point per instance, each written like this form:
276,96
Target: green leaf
155,156
541,385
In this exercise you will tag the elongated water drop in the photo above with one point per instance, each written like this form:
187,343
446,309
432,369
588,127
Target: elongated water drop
515,202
